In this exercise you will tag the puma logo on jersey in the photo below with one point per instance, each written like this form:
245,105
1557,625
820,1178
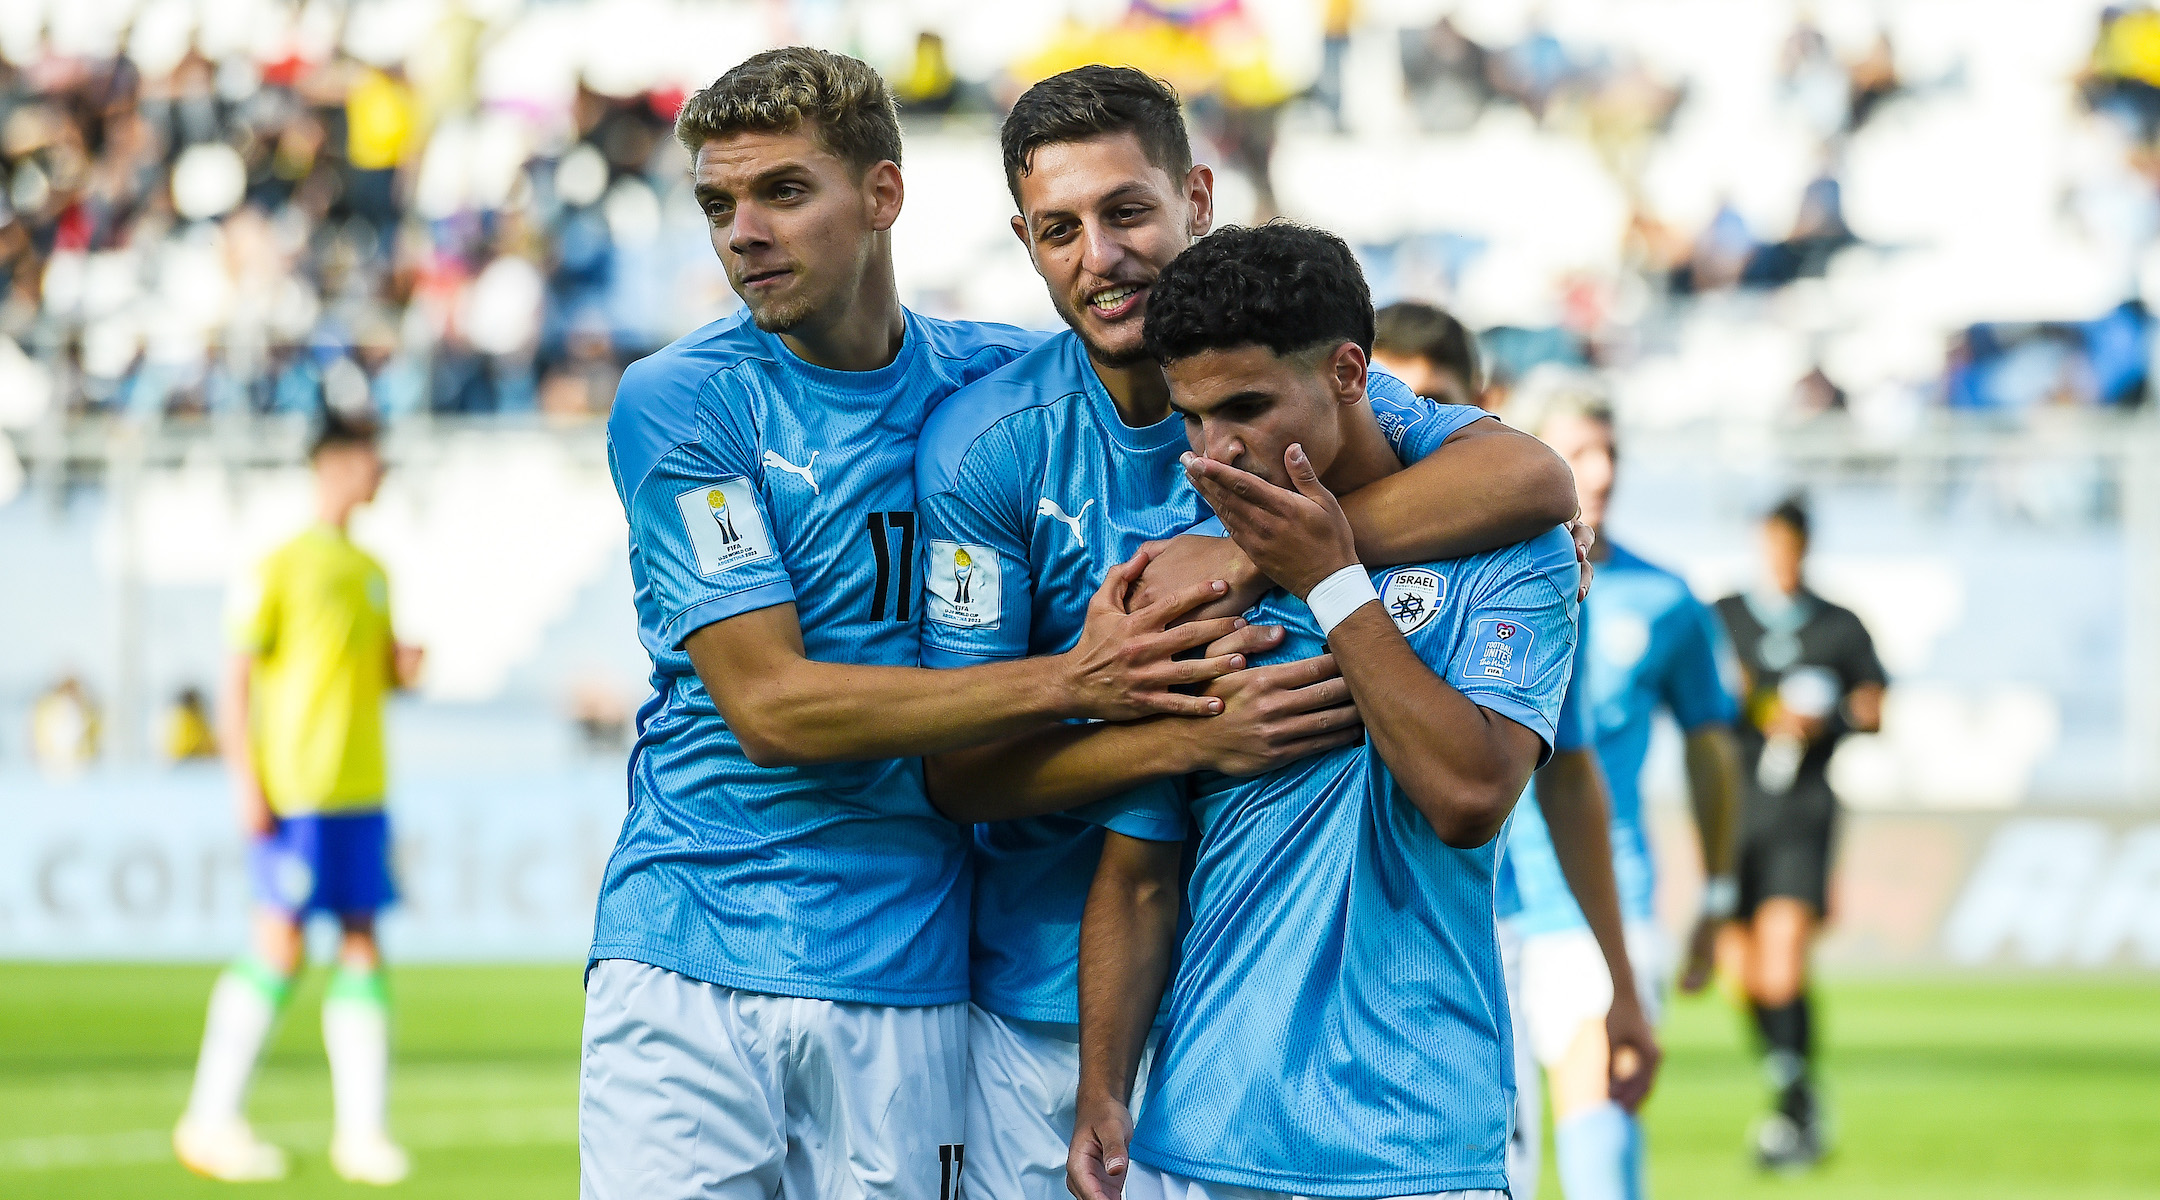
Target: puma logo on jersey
774,460
1049,508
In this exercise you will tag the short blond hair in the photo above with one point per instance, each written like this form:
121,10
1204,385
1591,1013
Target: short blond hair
843,101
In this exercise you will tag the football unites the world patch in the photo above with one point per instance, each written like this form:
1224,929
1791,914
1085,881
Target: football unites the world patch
1500,650
1412,596
961,585
724,524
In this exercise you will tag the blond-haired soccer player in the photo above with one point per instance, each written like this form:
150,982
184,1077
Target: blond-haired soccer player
302,715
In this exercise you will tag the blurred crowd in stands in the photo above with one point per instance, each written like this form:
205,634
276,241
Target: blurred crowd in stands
195,222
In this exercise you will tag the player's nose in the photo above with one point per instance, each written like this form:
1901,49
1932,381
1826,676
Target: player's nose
748,230
1100,251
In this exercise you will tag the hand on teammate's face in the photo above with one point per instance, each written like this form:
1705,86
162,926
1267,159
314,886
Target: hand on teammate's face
1297,538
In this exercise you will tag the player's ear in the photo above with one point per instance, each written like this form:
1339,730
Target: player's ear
1200,193
886,192
1347,369
1019,228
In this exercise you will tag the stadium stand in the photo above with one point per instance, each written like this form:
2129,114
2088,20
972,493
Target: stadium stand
425,208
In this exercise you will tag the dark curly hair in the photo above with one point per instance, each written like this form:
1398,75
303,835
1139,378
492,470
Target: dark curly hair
1088,102
1285,286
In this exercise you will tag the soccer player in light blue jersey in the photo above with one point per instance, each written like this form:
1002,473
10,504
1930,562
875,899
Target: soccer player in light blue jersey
1651,646
1037,479
1428,348
1338,1024
776,999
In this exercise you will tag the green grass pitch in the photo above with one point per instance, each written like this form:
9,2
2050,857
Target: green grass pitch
1943,1088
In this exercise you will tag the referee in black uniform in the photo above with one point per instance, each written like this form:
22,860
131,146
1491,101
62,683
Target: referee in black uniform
1809,676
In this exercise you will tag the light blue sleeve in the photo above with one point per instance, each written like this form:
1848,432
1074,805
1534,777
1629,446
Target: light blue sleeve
1415,426
702,544
1514,651
1153,812
1693,687
978,597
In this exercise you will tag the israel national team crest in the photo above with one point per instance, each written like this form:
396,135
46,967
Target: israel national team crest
961,586
725,526
1501,650
1412,596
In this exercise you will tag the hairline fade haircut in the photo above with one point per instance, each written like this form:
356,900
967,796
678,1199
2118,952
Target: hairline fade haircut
1091,102
1417,330
1290,288
841,103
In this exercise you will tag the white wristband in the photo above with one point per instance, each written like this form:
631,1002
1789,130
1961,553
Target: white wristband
1339,595
1720,897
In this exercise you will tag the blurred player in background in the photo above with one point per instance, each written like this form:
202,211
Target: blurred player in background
302,727
1049,472
776,1002
1428,349
1650,645
1810,677
1338,1025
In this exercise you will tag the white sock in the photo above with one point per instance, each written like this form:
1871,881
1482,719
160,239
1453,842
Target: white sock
356,1034
243,1009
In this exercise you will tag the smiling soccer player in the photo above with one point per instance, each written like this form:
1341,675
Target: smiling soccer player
1049,472
1338,1024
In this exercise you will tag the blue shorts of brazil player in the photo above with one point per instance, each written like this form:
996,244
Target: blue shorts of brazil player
324,862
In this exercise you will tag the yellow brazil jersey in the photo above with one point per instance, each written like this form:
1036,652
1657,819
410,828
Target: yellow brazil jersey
316,617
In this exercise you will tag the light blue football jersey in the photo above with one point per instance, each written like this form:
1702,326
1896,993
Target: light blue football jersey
1651,645
1032,488
751,478
1573,732
1339,1023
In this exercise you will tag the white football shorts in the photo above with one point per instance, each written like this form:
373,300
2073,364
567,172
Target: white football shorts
1022,1093
1143,1182
1565,983
689,1089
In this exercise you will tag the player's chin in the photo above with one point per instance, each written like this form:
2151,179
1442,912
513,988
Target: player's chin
777,310
1115,346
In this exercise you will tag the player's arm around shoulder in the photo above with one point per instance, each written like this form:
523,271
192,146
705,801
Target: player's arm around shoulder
1469,484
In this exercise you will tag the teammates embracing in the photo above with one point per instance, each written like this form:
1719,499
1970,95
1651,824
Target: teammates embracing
1048,716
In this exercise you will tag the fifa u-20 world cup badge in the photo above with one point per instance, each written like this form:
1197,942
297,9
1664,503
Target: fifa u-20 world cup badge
963,587
725,527
716,500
